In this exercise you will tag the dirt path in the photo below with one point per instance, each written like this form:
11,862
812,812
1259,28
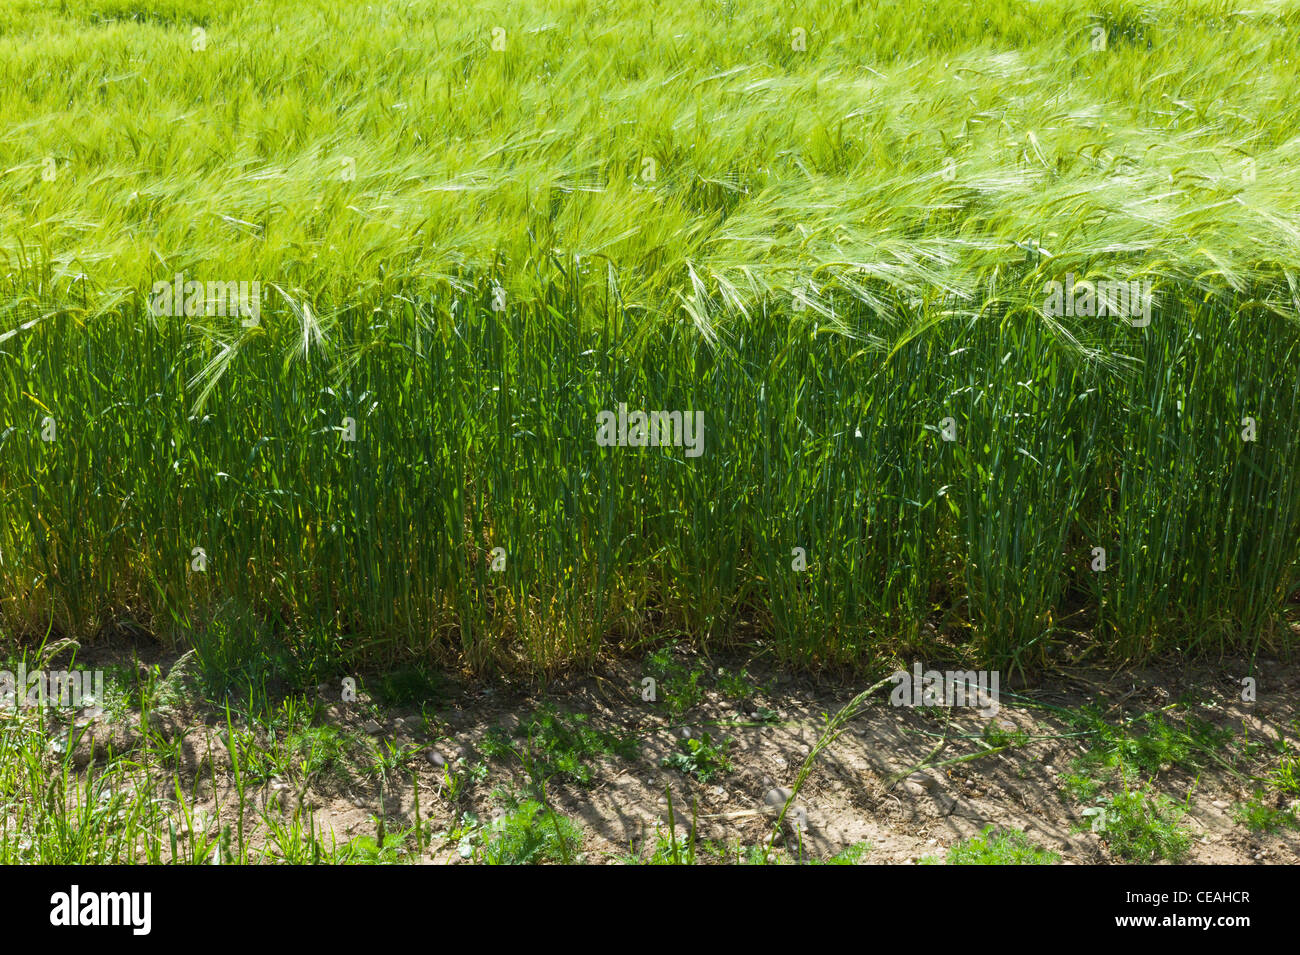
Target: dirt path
908,782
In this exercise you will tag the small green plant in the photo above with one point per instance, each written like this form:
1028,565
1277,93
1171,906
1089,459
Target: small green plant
410,686
1150,743
496,744
528,833
1144,746
388,756
297,841
700,757
740,688
381,849
1258,816
1141,827
678,685
1286,778
285,743
237,660
1079,785
1000,847
559,746
852,855
669,849
457,777
735,686
315,749
1274,805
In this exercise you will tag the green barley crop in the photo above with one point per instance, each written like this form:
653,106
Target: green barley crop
829,231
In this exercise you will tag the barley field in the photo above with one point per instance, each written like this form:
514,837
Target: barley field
312,315
521,432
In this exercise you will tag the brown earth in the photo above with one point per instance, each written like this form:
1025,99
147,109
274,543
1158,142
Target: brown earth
888,781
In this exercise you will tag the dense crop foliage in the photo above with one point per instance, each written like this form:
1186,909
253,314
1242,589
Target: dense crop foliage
838,254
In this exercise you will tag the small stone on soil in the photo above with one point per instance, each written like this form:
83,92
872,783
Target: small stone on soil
775,799
924,780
